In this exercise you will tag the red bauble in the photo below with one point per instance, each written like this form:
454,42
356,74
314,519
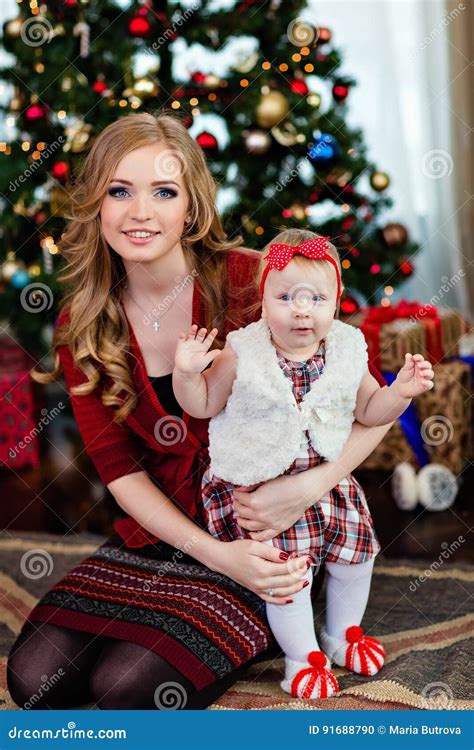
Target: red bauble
349,305
340,91
139,27
40,217
207,141
324,35
347,222
298,87
406,267
99,87
60,171
198,77
35,112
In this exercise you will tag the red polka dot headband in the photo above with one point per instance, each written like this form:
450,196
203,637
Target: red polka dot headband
280,255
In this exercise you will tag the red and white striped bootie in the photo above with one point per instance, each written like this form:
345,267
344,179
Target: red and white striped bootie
314,681
359,653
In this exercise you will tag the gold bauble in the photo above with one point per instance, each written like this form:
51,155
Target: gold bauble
13,27
286,134
211,81
144,87
298,211
246,64
273,107
77,135
379,181
256,141
314,100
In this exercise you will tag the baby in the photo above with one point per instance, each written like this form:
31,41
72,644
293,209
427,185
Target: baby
282,396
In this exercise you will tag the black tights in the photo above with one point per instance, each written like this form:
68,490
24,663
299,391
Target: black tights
52,667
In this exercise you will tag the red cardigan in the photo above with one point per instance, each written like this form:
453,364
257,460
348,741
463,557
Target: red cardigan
118,450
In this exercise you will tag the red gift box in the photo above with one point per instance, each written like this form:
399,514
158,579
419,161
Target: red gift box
18,439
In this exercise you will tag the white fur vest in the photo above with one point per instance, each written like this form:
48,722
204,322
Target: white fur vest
258,434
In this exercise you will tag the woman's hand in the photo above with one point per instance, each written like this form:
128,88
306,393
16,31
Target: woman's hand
273,507
260,568
192,351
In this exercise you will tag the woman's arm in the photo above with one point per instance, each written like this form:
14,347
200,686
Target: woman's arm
277,504
254,565
157,514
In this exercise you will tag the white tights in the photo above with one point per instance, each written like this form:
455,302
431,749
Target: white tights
347,593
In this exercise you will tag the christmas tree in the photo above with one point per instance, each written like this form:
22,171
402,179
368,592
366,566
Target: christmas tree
259,86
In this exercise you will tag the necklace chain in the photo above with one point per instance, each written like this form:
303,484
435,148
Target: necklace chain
156,326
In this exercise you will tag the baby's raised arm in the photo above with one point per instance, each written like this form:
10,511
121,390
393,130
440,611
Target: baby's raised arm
202,392
377,406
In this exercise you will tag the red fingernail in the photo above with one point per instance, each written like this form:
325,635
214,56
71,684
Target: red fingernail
284,555
289,601
306,583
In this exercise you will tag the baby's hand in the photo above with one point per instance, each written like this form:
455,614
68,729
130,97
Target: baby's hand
192,351
415,377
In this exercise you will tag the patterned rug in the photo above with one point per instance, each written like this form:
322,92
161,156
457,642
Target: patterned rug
423,616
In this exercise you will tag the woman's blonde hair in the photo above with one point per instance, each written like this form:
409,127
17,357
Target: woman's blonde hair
295,237
97,331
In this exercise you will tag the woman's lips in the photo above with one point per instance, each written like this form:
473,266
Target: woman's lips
140,237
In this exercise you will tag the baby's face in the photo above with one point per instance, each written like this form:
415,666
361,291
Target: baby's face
299,304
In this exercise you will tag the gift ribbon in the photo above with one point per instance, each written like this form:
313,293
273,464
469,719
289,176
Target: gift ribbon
427,315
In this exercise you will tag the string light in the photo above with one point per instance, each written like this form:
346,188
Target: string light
346,263
283,67
175,105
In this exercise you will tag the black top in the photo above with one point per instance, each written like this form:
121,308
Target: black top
163,387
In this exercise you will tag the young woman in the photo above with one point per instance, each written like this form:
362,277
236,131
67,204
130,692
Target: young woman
163,614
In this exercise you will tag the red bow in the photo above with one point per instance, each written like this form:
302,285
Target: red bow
280,255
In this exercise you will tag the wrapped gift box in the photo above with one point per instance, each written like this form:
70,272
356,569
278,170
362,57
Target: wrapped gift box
18,435
393,331
445,418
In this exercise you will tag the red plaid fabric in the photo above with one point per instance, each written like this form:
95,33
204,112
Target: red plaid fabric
338,528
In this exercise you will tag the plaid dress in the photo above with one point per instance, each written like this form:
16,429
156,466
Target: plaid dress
338,528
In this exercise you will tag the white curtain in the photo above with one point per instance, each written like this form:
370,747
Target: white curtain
397,50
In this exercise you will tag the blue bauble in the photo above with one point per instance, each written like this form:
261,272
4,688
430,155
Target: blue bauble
20,279
324,150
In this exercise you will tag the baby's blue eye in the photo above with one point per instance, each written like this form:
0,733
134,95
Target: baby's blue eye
285,297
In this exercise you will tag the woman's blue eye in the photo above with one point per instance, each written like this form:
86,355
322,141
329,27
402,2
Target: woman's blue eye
120,192
114,192
169,191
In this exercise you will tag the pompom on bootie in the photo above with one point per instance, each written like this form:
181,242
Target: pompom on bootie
310,682
359,653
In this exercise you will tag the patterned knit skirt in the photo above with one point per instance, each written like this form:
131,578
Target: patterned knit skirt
203,623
